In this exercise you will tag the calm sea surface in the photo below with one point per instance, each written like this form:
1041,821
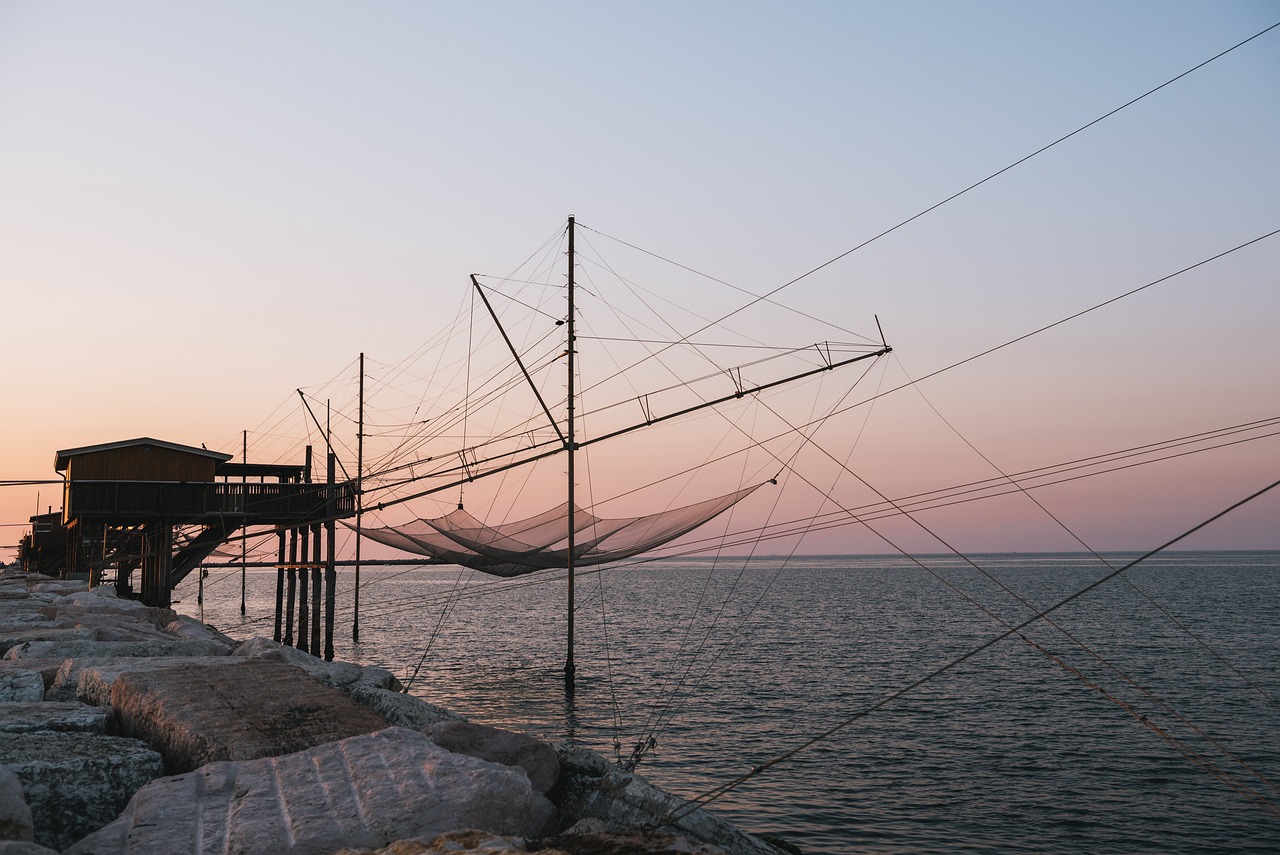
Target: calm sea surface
1027,746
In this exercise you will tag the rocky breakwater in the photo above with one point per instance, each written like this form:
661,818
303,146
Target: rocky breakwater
130,729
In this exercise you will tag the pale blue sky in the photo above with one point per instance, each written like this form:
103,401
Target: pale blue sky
183,184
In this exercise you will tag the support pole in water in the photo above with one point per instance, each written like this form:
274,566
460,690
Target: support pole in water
293,588
355,620
330,571
280,555
244,541
569,667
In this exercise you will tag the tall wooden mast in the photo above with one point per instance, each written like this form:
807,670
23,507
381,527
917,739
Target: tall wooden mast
570,447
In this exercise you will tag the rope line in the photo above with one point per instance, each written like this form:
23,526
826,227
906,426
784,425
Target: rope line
717,792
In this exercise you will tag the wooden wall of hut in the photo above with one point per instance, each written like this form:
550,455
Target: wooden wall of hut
140,463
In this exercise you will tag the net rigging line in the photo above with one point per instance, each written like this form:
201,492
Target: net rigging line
787,528
945,497
990,177
1068,318
1062,525
1084,647
668,707
1190,753
716,792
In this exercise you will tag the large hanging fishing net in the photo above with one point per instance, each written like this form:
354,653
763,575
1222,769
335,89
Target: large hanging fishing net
542,541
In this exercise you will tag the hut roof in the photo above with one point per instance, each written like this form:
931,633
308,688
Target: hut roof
60,458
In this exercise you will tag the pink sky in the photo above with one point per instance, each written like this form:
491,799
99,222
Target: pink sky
208,207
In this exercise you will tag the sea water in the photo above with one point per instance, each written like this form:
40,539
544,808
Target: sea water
1145,719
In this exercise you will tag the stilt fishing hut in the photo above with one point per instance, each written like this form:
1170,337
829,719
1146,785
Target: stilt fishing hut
159,509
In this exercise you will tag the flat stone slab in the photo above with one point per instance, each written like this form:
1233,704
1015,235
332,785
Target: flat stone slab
90,679
76,783
68,716
594,788
21,685
400,709
16,642
241,710
535,757
72,647
363,792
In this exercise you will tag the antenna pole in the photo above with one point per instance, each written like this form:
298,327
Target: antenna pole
570,447
355,622
244,559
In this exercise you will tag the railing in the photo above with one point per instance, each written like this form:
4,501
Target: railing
257,503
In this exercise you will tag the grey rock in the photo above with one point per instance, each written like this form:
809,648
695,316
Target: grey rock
90,679
16,643
46,668
630,843
22,847
340,675
15,816
593,787
76,782
59,715
59,587
20,685
193,630
362,792
234,710
535,757
401,709
463,842
84,647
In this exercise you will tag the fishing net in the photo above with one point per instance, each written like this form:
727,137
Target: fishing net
542,541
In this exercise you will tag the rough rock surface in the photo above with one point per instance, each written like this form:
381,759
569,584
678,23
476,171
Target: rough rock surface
21,686
366,791
535,757
15,816
157,646
22,847
632,843
464,842
401,709
593,787
90,679
241,710
193,630
76,782
340,675
47,668
17,642
64,716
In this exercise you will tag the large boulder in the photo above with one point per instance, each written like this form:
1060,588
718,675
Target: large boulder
90,679
340,675
20,685
69,716
364,792
71,648
535,757
76,782
592,787
16,643
15,816
192,629
240,710
46,668
400,709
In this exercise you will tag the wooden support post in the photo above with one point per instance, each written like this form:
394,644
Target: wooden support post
280,547
304,610
293,587
330,570
317,592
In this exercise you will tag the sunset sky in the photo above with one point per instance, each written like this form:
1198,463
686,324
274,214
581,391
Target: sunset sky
206,206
